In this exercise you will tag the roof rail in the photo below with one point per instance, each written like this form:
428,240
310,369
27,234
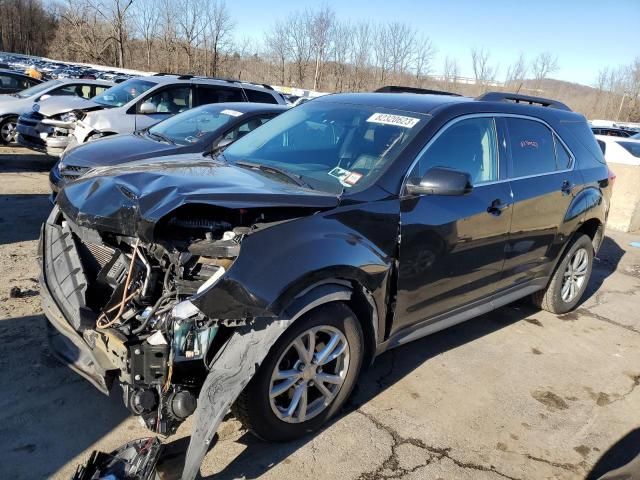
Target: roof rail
186,77
517,98
401,89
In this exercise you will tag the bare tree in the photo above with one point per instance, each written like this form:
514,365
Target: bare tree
220,28
190,28
277,44
424,54
516,73
320,26
382,51
341,52
451,70
402,43
483,72
115,14
300,44
360,54
147,22
542,65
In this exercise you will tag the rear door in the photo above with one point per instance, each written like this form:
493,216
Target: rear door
206,94
544,184
452,247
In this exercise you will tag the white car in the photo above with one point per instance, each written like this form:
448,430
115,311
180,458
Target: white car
620,150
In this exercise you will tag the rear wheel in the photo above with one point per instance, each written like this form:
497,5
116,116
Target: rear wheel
307,376
570,278
8,132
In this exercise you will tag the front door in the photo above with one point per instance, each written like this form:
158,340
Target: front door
452,248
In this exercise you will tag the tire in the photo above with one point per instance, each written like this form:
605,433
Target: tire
255,408
559,300
8,134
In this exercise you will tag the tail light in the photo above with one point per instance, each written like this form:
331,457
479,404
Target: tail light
612,177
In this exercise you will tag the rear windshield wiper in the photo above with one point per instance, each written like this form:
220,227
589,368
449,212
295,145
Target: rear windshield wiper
297,179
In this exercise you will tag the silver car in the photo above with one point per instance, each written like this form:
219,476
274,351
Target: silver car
16,104
141,102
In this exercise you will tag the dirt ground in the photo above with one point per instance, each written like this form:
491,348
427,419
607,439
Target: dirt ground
516,394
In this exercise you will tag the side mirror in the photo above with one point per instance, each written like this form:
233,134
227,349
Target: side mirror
441,181
44,97
147,108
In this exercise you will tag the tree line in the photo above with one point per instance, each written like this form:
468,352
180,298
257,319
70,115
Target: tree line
311,49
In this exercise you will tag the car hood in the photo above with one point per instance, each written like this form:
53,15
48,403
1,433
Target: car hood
132,198
117,149
63,104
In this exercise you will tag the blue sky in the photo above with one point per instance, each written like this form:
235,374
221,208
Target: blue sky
586,35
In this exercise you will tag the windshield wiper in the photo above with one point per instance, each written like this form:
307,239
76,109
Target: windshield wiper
161,137
297,179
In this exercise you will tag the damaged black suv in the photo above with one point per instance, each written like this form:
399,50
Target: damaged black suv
264,278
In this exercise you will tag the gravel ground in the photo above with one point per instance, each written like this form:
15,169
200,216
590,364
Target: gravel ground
516,394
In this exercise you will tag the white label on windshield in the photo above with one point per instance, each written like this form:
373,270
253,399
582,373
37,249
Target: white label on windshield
398,120
231,113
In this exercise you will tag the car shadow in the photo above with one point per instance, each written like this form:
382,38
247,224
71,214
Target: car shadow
258,457
48,414
604,265
21,215
620,455
13,162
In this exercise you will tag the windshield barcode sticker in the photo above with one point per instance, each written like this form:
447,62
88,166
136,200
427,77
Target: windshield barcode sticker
398,120
231,113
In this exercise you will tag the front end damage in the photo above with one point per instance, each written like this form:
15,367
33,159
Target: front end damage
122,310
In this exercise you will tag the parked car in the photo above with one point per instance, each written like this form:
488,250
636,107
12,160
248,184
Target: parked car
12,81
266,278
612,132
620,150
141,102
205,129
14,105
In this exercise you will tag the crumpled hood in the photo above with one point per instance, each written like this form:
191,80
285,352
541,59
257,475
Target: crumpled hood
63,104
115,150
132,198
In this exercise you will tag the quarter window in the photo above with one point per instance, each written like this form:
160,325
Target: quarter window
212,94
563,157
532,148
259,97
469,145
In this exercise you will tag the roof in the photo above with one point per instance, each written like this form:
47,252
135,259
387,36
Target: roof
106,83
427,103
248,107
162,78
410,102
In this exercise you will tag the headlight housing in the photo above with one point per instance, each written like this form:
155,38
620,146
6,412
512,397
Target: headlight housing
69,117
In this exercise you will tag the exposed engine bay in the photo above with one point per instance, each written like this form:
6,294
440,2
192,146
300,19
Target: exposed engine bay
137,317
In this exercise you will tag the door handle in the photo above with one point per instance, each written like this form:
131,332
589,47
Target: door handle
566,187
497,207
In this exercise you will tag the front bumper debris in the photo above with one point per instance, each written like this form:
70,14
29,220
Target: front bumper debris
62,284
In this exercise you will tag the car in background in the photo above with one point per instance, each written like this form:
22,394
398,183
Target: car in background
620,150
12,81
141,102
14,105
205,129
40,131
612,131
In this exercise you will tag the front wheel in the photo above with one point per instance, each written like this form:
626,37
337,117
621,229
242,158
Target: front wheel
307,376
8,132
570,278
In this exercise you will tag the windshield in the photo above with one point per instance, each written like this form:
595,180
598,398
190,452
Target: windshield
636,136
194,125
330,146
123,93
41,87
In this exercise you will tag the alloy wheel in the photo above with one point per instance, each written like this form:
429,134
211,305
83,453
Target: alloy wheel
8,132
575,275
309,374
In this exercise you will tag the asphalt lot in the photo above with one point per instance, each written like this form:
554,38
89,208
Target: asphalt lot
516,394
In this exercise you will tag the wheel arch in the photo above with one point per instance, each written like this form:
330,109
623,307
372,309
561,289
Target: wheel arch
350,292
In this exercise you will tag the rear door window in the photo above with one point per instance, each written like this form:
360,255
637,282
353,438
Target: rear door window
259,97
213,94
532,147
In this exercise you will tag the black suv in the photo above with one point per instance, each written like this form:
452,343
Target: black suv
264,279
